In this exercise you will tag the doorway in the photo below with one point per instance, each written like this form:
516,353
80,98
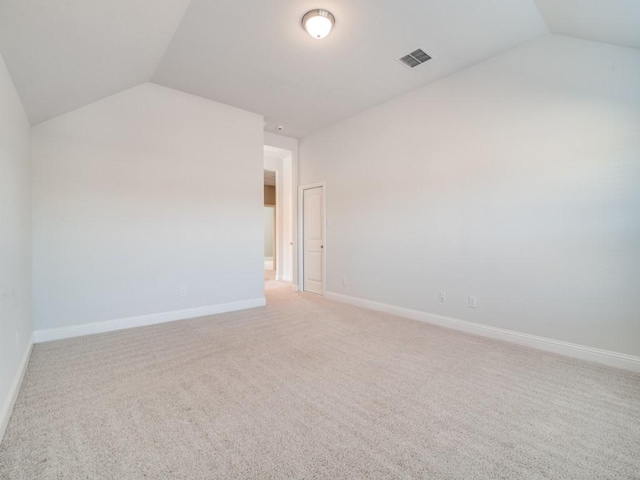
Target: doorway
270,221
279,195
311,200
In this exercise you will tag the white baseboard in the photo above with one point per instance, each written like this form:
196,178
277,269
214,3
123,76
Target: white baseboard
50,334
12,395
604,357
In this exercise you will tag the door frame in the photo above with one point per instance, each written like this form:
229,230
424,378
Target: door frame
301,190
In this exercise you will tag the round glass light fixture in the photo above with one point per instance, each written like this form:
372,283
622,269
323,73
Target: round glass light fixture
318,23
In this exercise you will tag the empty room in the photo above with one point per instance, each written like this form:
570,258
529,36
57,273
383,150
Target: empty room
333,239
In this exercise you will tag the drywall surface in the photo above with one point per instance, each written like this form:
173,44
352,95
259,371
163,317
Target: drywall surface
516,181
145,202
15,242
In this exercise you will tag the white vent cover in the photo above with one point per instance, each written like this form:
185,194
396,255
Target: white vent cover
415,58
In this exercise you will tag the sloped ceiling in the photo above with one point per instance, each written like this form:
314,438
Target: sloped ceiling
259,58
63,54
254,54
608,21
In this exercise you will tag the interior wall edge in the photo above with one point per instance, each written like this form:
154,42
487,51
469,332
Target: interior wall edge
12,396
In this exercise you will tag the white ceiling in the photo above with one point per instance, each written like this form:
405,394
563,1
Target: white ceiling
64,54
254,54
259,58
608,21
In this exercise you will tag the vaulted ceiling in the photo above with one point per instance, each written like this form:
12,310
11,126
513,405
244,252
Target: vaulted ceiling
608,21
255,55
65,54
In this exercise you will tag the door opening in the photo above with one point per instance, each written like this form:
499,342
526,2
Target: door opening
269,225
269,241
279,220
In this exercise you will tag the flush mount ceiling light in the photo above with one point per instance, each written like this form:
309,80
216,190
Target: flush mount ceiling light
318,23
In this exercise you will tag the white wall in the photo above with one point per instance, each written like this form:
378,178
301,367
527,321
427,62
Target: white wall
140,194
15,243
516,180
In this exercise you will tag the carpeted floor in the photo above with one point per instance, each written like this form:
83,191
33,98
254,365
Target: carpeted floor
269,274
308,388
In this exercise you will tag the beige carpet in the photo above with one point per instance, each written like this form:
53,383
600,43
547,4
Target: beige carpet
307,388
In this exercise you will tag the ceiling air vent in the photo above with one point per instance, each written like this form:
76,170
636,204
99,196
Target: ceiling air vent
415,58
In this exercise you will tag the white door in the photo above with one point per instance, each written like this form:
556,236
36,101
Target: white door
313,239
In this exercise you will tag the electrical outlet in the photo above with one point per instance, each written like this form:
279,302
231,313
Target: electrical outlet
183,291
472,301
443,296
344,281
